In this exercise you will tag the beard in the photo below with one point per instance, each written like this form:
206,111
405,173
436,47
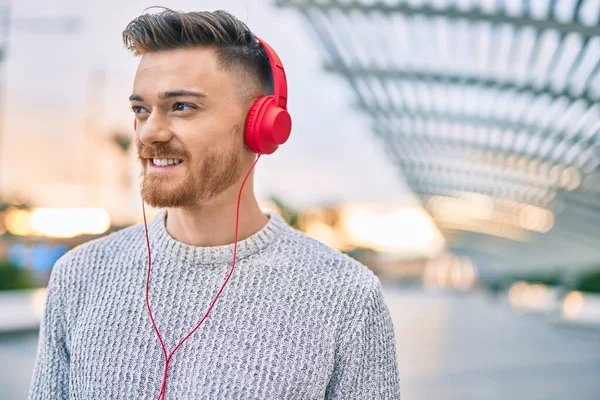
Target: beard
218,171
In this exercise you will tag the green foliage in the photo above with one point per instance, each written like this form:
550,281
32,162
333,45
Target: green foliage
289,214
123,141
14,278
549,278
589,282
585,282
363,255
359,253
6,205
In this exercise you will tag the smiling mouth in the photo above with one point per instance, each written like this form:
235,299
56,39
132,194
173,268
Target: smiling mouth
164,162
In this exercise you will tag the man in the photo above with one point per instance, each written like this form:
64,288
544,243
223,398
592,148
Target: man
297,320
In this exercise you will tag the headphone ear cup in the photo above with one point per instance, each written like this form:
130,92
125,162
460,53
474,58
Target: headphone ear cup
254,136
249,131
267,126
276,125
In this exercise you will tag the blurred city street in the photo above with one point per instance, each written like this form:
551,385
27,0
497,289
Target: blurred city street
450,347
452,147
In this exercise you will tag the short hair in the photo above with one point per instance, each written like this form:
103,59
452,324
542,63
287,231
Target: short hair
237,48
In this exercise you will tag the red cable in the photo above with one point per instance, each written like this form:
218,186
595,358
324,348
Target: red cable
161,395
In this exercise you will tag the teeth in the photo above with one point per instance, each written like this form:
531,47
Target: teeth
163,162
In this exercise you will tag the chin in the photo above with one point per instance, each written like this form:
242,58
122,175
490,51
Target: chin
163,201
168,194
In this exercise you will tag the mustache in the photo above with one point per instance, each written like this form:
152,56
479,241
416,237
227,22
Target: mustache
163,151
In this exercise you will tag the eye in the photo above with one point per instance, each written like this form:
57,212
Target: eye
182,107
138,109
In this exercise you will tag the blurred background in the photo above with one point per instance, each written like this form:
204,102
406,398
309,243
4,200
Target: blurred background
453,147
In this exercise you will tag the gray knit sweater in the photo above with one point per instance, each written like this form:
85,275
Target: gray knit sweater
297,320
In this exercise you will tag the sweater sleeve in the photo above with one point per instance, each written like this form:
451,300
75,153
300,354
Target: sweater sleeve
51,372
366,366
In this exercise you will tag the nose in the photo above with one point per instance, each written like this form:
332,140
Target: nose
153,130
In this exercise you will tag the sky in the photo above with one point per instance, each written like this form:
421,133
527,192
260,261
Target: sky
331,154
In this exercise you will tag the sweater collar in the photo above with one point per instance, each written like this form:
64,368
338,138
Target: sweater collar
164,242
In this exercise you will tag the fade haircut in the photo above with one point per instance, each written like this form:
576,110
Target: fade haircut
237,49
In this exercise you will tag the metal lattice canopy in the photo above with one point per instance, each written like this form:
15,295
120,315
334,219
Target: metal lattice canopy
489,109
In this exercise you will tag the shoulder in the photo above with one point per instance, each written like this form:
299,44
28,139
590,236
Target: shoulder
83,256
75,271
298,246
328,268
335,283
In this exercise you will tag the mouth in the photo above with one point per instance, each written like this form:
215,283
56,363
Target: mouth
163,164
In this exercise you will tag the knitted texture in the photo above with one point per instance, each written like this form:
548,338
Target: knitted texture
297,320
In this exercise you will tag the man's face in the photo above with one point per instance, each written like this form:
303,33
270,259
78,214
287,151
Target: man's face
190,121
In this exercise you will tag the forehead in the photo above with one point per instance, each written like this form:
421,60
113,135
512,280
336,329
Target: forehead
195,68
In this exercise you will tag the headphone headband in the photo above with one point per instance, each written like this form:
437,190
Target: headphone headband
279,80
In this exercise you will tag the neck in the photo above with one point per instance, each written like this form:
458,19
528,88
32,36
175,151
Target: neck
213,223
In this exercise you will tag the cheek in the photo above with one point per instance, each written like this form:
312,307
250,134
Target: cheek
194,141
201,132
216,129
216,140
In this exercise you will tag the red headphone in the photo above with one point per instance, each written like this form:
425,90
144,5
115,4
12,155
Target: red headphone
268,124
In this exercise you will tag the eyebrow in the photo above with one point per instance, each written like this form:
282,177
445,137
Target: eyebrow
171,94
